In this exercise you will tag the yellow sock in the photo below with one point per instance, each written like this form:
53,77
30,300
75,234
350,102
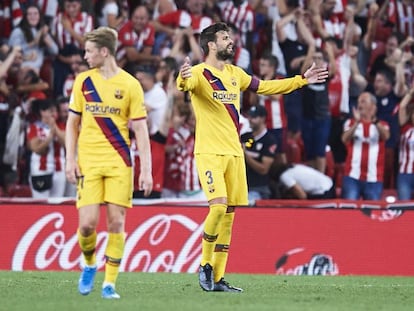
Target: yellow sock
211,227
113,254
87,245
221,250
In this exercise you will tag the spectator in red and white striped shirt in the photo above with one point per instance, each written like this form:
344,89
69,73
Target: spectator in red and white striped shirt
405,177
328,18
403,16
193,16
180,174
49,8
167,25
240,14
276,120
136,39
46,140
68,29
365,136
11,14
70,25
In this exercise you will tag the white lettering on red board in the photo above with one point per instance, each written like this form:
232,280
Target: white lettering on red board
151,247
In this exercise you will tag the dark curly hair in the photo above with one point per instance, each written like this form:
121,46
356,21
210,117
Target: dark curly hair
209,35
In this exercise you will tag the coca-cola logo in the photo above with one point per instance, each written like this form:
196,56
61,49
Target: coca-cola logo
168,243
298,261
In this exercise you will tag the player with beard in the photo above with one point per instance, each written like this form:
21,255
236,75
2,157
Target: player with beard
214,87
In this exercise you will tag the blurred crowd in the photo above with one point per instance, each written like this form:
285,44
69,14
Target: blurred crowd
351,137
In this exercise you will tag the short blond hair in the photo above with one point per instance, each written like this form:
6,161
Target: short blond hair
103,37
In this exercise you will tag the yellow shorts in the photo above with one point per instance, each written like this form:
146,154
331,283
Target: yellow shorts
223,176
105,185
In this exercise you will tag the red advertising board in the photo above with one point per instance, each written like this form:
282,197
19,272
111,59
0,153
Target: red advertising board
265,240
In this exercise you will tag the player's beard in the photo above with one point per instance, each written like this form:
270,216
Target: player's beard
225,54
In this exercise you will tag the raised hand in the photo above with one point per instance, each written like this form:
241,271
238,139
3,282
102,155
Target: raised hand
185,70
66,23
316,74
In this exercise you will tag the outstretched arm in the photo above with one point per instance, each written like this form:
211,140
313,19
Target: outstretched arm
316,74
284,86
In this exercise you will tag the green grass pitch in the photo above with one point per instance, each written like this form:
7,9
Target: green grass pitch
57,291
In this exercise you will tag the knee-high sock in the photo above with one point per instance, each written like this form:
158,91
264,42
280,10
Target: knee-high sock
113,255
87,245
211,228
221,250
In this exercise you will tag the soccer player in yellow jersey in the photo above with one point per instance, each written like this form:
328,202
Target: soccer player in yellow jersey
214,87
105,102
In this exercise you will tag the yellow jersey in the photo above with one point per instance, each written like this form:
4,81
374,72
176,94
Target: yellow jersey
105,107
215,96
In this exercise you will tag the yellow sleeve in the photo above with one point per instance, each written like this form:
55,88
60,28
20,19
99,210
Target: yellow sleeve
282,86
187,84
137,108
76,97
245,78
269,87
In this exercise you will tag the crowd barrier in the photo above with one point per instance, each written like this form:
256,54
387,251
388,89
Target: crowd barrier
327,237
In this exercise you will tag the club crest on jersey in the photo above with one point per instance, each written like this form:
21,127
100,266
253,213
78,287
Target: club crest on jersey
233,81
118,94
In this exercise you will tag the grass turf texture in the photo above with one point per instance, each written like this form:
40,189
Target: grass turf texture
57,291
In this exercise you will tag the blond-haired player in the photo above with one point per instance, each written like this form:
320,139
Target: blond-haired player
105,100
